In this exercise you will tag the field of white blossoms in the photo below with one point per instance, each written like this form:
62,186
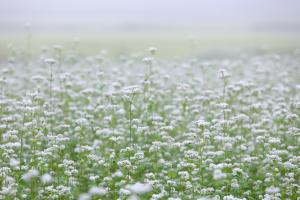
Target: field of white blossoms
140,127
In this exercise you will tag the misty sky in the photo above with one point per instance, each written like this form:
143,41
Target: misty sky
97,14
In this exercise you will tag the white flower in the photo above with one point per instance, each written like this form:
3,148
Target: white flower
46,178
184,175
191,154
131,90
230,197
272,190
30,174
124,192
218,174
97,191
84,197
14,163
117,174
50,61
152,50
223,74
202,123
139,155
139,188
148,60
124,163
133,197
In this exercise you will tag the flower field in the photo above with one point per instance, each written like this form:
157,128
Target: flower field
141,127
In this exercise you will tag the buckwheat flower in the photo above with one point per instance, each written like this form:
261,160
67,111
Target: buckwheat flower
209,198
289,165
139,155
236,171
30,174
133,197
234,184
157,196
14,163
156,146
131,90
139,188
271,197
93,178
218,174
152,50
50,61
9,190
279,152
82,122
124,163
46,178
191,154
117,174
124,192
97,191
174,198
272,190
150,176
228,146
184,175
38,78
202,123
223,74
230,197
274,140
84,197
148,60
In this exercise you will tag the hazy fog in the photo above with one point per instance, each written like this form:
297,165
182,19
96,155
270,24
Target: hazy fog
275,15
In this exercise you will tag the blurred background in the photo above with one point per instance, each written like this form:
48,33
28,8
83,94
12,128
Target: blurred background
176,27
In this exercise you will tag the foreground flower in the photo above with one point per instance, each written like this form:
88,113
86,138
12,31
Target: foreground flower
139,188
